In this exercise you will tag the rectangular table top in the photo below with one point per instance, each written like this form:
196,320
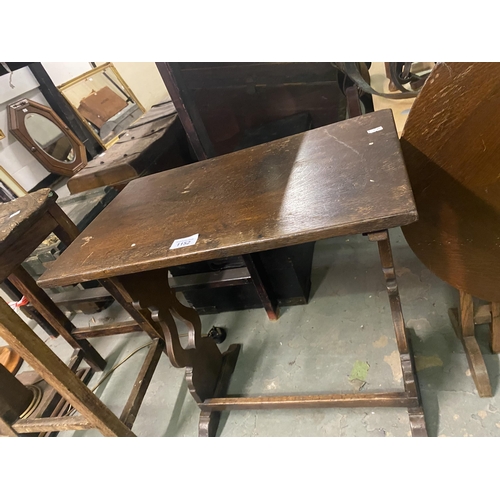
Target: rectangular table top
345,178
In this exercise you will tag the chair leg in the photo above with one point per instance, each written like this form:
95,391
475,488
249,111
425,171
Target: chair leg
41,358
22,280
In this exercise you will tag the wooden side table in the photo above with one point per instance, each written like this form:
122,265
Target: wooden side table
450,145
341,179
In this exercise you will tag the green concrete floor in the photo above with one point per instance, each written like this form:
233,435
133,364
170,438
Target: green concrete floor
314,348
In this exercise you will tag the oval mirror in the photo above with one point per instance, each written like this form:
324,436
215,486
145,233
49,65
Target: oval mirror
49,137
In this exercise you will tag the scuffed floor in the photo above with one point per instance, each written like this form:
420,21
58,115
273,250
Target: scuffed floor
343,340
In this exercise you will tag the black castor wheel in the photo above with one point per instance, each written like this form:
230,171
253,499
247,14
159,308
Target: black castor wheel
218,334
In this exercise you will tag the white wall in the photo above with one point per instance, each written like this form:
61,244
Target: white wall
62,72
14,157
145,81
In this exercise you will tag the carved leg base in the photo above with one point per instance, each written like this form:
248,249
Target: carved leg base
417,422
474,357
209,420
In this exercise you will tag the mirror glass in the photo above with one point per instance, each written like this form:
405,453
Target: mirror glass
49,137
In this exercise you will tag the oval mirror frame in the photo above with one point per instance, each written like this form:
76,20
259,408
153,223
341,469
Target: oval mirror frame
17,113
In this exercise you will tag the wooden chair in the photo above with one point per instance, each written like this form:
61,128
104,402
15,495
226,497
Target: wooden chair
24,224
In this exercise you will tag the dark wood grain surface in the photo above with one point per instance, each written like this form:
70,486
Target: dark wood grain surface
451,148
331,181
20,214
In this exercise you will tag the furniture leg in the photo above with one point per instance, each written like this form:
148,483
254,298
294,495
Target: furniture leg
208,371
22,280
66,230
495,327
141,385
415,414
34,351
262,285
463,324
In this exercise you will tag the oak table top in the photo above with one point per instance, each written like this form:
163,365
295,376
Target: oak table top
452,151
344,178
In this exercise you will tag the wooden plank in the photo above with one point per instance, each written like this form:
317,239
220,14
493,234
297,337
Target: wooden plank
71,297
66,230
186,109
34,351
261,74
58,424
141,384
495,327
128,160
106,330
466,314
472,350
330,181
262,284
483,314
383,399
226,277
19,215
155,113
22,280
142,131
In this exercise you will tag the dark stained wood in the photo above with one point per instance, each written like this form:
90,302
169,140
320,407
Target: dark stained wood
154,143
33,350
403,341
262,285
392,399
66,230
106,330
209,420
382,238
219,102
21,279
24,224
258,74
141,384
226,277
452,152
14,396
186,108
27,210
325,182
341,179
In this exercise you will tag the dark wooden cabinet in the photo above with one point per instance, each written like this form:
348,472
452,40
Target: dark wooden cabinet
225,107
